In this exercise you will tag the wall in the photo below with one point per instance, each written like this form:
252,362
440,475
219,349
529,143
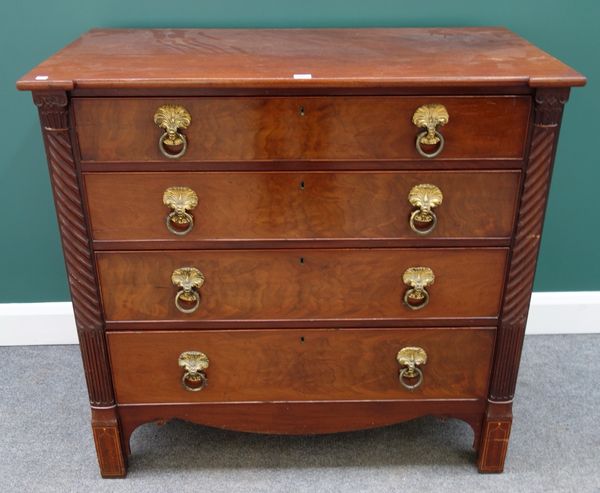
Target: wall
31,264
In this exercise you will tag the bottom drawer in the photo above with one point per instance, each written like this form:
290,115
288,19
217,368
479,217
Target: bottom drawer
299,365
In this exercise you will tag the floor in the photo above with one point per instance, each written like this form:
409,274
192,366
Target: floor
46,445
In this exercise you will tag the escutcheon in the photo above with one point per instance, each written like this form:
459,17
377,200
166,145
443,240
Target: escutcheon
189,280
425,197
181,200
430,117
409,359
418,278
172,118
194,363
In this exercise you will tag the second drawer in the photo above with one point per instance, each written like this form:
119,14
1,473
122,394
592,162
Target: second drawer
301,285
309,205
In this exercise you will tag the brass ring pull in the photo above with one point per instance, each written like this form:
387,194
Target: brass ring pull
179,137
189,280
193,377
192,296
194,363
181,200
171,118
184,218
430,116
410,358
403,373
426,197
416,299
439,140
431,219
418,278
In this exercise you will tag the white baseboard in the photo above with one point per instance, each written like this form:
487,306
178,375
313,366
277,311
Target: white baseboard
25,324
569,312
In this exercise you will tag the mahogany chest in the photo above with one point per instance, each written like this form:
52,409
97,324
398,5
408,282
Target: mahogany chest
300,231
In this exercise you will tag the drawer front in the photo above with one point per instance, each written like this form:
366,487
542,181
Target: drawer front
309,205
292,128
306,284
300,365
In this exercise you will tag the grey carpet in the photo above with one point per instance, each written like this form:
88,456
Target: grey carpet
46,443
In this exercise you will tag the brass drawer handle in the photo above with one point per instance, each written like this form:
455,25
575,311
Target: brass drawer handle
181,200
189,280
172,117
426,197
418,278
430,116
409,359
194,363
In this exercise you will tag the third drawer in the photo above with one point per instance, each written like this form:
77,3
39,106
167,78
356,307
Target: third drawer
300,285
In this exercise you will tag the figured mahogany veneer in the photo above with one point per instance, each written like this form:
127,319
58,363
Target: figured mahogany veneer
348,128
300,365
309,205
304,285
302,152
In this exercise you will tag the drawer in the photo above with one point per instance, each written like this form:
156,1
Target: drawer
299,365
293,128
308,205
295,284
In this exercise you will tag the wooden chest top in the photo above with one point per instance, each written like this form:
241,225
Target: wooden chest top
299,58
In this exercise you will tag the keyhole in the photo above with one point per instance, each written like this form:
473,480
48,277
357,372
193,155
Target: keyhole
301,260
302,339
301,111
302,185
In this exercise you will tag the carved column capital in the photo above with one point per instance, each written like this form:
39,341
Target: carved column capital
549,104
53,108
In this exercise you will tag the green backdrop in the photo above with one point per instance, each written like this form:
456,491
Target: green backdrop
31,263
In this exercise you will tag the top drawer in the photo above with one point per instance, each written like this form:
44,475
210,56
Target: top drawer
294,128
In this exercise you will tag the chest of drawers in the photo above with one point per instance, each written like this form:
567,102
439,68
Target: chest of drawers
300,231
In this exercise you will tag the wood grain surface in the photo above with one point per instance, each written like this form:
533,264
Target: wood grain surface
284,128
300,365
302,417
301,284
259,58
495,435
308,205
108,439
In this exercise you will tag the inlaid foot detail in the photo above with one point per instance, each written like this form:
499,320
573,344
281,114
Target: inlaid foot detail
109,443
494,437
